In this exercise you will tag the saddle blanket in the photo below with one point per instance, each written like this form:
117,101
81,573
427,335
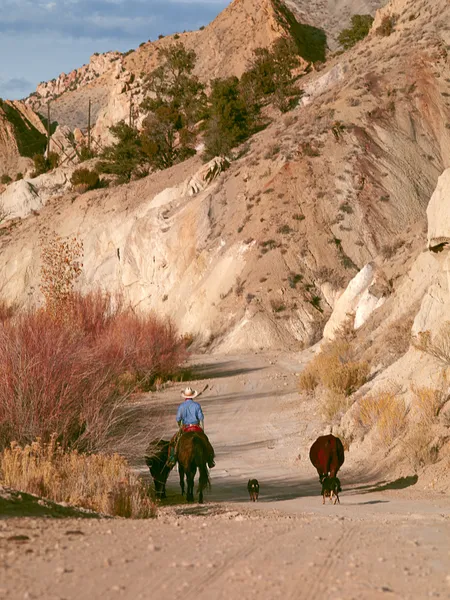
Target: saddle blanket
188,428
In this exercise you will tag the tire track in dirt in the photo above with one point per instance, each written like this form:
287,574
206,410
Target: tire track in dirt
320,581
206,581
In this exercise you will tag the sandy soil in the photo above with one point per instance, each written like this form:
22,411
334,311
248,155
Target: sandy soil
387,539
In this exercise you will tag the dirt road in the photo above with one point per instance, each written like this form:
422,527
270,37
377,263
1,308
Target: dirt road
387,539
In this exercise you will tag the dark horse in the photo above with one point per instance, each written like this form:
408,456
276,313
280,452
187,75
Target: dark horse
193,454
156,458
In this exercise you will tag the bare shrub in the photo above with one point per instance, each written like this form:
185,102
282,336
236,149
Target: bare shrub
419,447
7,311
50,381
99,482
428,402
333,404
439,346
142,346
326,274
72,376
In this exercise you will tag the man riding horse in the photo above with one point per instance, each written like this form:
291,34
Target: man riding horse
190,418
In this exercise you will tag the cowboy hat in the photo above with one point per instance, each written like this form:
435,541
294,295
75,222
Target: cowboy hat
189,393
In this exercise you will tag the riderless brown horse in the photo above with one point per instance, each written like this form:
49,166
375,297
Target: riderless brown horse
193,453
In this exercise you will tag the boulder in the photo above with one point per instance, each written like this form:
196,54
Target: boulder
23,196
438,213
357,300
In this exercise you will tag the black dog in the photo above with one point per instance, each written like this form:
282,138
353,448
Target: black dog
253,489
331,486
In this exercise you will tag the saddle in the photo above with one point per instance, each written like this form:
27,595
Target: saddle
188,428
173,446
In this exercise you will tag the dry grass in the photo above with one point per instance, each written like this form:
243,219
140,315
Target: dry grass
333,404
335,369
308,380
428,402
438,347
419,446
99,482
387,412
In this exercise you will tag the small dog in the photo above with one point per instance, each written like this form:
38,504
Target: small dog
331,486
253,489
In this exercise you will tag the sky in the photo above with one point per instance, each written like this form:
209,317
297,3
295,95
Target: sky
40,40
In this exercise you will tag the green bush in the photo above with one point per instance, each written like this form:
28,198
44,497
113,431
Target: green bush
360,27
126,156
5,179
230,119
270,77
177,102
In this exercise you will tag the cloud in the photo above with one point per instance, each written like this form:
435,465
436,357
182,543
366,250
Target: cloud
14,86
98,19
47,37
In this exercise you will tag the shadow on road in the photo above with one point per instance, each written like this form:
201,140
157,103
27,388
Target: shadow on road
382,486
220,370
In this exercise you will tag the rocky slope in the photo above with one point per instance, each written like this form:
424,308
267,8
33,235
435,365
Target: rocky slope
257,257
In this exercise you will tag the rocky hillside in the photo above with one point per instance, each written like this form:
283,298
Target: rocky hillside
256,256
113,81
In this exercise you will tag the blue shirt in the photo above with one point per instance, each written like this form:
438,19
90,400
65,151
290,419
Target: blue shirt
190,413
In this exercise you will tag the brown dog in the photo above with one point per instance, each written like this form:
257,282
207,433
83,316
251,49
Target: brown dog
253,489
331,486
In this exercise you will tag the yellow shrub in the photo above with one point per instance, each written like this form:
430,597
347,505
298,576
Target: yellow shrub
428,402
333,403
419,446
336,369
387,412
100,482
308,380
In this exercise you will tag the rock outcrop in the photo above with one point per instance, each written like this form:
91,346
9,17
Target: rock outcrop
22,134
23,197
357,303
438,213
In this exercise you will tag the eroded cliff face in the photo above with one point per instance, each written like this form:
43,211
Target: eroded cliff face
259,257
22,134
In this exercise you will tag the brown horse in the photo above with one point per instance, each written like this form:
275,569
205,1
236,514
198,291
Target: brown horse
327,455
193,454
156,458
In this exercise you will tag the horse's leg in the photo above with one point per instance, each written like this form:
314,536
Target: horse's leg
181,473
190,485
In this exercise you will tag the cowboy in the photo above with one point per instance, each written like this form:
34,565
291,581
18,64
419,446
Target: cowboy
190,413
189,418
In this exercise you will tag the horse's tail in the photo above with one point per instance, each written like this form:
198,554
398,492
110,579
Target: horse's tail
200,456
